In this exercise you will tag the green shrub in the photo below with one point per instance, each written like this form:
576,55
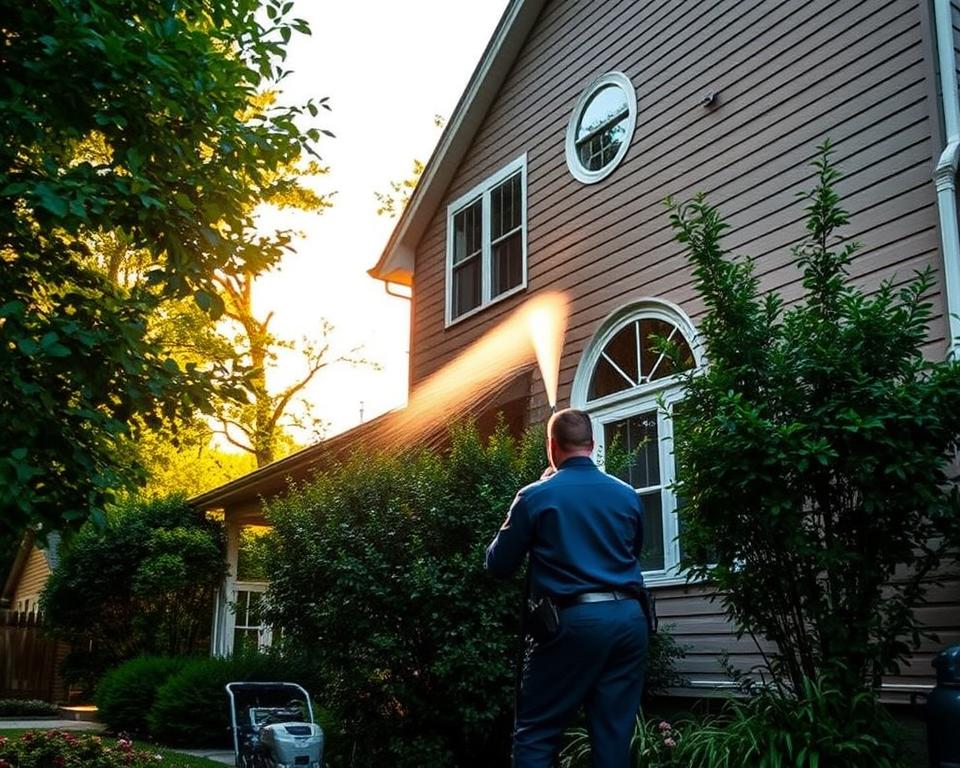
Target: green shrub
141,584
824,431
26,708
662,660
377,570
43,749
821,728
126,694
191,707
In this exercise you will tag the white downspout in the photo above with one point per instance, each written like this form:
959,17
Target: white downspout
945,174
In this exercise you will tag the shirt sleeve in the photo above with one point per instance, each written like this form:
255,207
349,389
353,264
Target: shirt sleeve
638,540
506,552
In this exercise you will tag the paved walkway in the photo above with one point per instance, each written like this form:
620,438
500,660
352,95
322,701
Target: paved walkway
217,755
46,725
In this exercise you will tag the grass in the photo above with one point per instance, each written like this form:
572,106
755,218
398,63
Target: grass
171,758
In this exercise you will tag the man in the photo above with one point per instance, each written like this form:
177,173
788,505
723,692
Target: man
583,530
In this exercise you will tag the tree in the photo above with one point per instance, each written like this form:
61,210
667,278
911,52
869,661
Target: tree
393,202
813,452
168,93
256,425
143,583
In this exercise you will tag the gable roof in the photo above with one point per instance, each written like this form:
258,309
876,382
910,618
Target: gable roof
51,553
396,263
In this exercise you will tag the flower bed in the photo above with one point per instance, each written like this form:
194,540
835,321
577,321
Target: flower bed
63,749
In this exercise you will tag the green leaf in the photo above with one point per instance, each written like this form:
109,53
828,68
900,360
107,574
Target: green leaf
50,200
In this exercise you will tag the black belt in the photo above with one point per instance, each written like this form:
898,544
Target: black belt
592,597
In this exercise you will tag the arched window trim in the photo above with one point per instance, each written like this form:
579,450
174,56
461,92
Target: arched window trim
645,308
637,400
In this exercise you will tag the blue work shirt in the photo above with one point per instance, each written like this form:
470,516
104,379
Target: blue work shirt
582,528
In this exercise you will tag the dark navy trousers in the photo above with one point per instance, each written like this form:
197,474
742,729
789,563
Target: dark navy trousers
598,660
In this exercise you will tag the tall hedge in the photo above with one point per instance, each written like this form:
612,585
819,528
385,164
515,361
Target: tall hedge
377,566
377,574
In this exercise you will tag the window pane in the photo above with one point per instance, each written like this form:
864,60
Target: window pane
652,366
467,232
466,286
506,212
652,557
507,263
602,128
606,380
622,350
253,613
636,436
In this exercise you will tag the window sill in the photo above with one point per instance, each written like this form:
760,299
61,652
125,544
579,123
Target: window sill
671,580
477,310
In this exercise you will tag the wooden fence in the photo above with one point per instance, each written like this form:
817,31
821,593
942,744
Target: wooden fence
29,659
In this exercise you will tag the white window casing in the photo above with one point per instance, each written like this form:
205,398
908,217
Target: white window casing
616,80
482,194
654,398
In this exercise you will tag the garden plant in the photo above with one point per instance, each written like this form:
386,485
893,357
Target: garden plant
377,574
813,458
142,583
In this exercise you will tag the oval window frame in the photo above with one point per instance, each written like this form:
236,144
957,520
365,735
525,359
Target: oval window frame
576,169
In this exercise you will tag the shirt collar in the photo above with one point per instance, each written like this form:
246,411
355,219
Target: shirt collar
576,461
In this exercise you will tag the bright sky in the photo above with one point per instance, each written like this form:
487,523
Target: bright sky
387,67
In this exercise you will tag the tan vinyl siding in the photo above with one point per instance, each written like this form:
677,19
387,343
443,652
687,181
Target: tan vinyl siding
863,84
33,580
788,75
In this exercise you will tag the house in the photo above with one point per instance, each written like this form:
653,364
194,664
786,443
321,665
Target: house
579,120
29,659
32,566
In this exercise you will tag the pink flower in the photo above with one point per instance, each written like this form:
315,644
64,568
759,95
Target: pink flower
669,743
664,726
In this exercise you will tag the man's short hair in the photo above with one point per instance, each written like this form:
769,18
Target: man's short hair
571,429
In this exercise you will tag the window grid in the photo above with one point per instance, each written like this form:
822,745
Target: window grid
604,386
498,269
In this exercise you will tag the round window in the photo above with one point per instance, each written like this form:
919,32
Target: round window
601,127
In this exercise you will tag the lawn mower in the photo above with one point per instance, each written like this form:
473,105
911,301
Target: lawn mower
273,726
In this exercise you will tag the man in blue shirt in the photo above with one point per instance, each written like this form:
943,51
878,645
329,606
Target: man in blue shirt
583,531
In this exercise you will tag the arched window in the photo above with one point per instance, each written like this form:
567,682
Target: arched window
627,381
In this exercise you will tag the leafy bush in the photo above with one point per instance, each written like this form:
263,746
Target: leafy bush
126,694
142,584
377,570
819,728
662,658
823,432
377,573
191,707
42,749
26,707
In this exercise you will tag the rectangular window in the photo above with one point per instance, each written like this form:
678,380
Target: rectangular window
635,443
487,242
249,631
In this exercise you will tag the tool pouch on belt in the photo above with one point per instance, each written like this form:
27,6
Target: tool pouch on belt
649,604
543,619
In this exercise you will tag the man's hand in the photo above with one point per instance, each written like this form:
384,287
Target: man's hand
548,472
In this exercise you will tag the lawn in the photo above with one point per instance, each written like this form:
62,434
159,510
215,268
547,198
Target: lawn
171,758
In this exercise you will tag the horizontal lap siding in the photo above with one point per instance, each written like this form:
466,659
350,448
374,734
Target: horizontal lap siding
787,75
606,243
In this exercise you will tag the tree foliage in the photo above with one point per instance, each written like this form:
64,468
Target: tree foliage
144,583
135,124
813,451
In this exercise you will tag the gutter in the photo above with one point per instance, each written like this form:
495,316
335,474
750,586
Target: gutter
945,175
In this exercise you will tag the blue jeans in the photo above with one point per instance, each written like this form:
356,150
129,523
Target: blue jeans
598,660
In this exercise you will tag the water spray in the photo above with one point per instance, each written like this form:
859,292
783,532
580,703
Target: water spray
499,355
